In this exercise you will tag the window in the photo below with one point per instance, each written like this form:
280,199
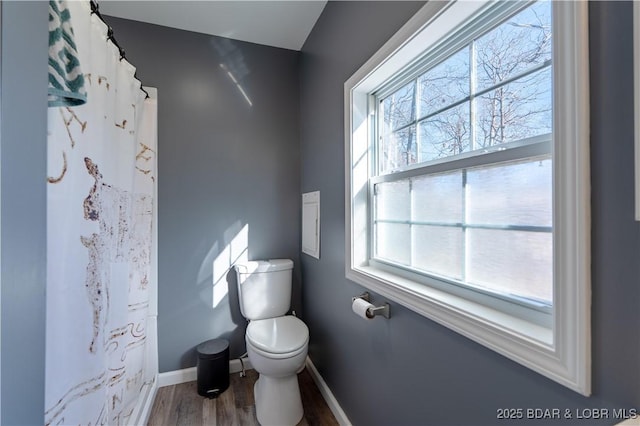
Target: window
465,221
467,177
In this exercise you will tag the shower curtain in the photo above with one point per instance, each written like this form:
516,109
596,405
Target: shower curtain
100,203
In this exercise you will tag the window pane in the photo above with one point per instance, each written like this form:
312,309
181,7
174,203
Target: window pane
399,108
515,111
398,149
438,249
438,198
445,84
445,134
511,262
520,43
393,201
393,242
484,226
510,194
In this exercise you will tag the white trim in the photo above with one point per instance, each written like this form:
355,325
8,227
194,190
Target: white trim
563,353
190,374
311,212
235,366
331,400
572,196
185,375
177,377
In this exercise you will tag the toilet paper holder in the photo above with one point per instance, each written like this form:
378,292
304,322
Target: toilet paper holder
376,310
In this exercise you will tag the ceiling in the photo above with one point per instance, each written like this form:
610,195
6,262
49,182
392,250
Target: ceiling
285,24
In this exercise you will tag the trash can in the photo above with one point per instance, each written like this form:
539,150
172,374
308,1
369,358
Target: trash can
213,367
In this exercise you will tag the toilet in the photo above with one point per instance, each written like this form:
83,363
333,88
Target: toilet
276,343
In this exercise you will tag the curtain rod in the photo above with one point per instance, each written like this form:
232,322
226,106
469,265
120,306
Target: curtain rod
95,10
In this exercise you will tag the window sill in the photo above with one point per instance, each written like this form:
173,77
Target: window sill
474,320
522,341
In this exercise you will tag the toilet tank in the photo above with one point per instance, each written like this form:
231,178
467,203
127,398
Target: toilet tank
264,288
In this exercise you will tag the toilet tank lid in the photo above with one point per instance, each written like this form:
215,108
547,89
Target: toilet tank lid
271,265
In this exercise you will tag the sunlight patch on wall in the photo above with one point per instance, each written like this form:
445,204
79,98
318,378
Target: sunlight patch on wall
235,251
237,83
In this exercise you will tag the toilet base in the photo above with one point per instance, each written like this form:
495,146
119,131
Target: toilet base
278,401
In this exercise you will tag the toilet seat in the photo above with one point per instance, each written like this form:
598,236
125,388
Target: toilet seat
281,337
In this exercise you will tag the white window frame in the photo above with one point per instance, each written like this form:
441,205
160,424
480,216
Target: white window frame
561,350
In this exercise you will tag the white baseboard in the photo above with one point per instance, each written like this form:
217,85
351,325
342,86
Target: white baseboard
177,376
191,374
235,366
331,400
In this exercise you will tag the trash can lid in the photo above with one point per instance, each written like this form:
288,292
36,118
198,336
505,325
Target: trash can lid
212,348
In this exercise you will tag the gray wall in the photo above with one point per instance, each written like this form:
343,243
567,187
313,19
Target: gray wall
404,371
615,235
410,370
223,164
23,178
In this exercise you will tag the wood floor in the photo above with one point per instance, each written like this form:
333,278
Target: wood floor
181,404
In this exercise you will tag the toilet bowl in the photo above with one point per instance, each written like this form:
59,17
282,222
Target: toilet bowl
276,343
277,359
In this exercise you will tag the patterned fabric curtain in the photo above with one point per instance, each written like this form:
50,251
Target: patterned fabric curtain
101,167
